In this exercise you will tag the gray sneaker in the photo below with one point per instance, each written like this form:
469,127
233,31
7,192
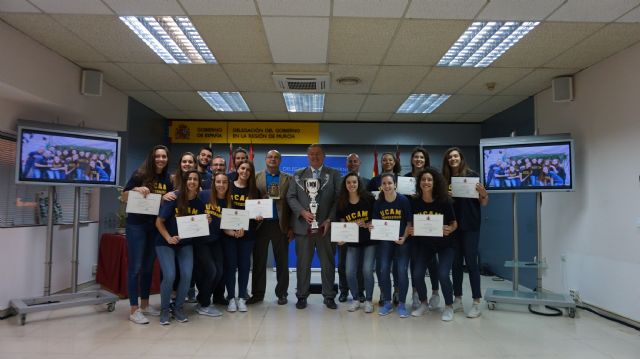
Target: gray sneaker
368,307
138,318
210,311
164,317
180,316
434,302
150,310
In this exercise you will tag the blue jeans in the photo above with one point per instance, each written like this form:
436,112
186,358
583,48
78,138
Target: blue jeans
467,248
237,257
140,255
368,254
445,262
386,252
167,258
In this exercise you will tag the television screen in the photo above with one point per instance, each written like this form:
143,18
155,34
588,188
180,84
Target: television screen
531,163
62,157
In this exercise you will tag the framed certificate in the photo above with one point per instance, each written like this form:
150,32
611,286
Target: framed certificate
385,230
193,226
464,187
234,219
345,232
259,207
406,185
137,203
429,225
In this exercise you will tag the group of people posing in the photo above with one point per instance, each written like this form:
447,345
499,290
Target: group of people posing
67,164
527,172
222,261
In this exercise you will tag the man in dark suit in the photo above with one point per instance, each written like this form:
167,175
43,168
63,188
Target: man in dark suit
272,184
329,180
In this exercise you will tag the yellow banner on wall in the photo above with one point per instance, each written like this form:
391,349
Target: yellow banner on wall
198,132
274,132
244,132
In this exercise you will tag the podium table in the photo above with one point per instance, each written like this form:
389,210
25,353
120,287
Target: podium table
112,266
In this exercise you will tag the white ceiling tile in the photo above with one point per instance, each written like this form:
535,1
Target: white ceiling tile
187,101
340,116
374,116
297,39
145,7
442,117
460,103
302,67
444,9
369,8
255,77
631,16
447,80
360,40
498,104
538,80
115,76
271,116
17,6
500,77
383,103
205,77
265,101
219,7
305,116
525,10
366,74
408,117
294,7
592,10
158,77
72,7
398,79
423,42
152,100
234,39
343,102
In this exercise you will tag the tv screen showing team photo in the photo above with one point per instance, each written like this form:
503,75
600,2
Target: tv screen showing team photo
545,166
54,157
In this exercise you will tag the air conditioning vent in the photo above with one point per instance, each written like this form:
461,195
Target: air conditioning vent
301,82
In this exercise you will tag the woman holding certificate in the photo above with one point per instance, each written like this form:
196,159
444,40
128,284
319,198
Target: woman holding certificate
355,204
389,165
171,246
238,244
467,236
208,253
151,178
433,222
392,208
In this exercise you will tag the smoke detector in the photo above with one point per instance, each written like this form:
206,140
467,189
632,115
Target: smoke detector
301,81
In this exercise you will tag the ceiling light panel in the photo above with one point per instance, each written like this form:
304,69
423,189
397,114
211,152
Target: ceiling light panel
225,101
422,103
304,102
173,38
483,42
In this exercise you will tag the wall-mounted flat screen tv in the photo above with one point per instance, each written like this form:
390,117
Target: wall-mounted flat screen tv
52,156
528,163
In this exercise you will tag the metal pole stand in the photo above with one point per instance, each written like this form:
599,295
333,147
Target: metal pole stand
527,297
59,301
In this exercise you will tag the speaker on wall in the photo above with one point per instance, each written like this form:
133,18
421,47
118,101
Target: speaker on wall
562,89
91,84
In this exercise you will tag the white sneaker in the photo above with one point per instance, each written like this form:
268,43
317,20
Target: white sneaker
242,305
457,305
150,310
475,311
368,307
138,318
419,311
434,302
415,300
447,314
210,311
355,305
233,306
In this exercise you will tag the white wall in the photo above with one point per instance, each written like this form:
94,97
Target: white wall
597,228
39,85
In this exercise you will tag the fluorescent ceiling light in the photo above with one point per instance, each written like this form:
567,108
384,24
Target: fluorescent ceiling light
422,103
174,39
304,102
225,101
483,42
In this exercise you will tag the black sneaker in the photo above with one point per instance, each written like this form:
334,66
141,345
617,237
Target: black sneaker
343,297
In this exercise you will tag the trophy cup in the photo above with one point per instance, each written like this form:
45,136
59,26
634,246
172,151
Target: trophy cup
312,185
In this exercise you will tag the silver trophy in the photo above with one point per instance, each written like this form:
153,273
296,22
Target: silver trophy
313,186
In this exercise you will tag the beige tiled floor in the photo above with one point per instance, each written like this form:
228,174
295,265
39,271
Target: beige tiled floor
272,331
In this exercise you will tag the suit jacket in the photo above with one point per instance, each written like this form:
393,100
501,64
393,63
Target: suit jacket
284,212
298,199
